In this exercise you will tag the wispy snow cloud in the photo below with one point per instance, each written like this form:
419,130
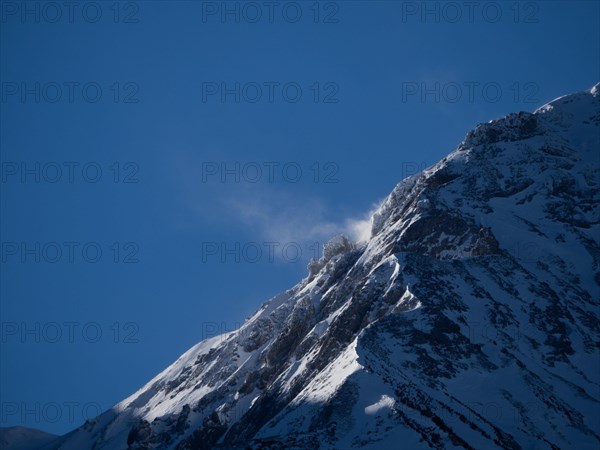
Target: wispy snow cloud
281,218
267,212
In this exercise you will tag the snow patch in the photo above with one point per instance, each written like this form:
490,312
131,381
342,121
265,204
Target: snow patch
384,403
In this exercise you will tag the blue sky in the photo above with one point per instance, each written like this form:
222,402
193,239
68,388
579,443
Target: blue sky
167,168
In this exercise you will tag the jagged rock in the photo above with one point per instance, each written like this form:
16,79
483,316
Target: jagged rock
139,436
336,246
486,243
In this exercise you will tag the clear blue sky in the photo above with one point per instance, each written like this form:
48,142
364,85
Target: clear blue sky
146,93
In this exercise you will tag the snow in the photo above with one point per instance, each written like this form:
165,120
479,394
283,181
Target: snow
385,402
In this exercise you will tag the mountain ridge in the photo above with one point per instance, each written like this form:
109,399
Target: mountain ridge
22,438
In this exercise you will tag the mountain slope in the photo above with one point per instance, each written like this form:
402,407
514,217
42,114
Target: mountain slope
21,438
470,319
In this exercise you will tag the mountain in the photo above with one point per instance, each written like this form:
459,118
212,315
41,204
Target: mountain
21,438
470,318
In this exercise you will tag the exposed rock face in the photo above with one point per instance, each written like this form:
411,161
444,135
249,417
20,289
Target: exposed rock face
469,320
334,247
486,243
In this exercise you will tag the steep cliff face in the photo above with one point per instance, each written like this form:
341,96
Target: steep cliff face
470,319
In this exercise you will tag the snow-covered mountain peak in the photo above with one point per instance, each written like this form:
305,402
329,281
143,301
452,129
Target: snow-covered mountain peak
468,320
